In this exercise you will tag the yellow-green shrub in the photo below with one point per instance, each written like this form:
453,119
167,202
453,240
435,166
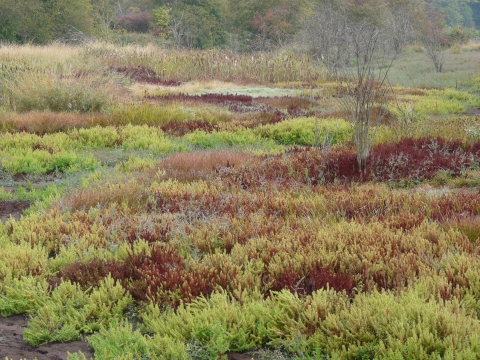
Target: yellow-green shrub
409,325
136,164
120,341
5,195
308,131
219,323
146,138
70,311
438,106
203,140
95,137
53,142
23,295
42,161
452,94
19,260
374,325
161,114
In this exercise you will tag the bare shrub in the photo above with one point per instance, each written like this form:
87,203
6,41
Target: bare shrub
367,85
433,38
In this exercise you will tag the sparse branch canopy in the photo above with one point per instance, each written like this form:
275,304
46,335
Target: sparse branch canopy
361,49
432,37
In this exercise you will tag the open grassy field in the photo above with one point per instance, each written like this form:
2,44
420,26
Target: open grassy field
199,205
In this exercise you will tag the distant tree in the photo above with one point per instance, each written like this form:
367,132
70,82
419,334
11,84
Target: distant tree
263,24
358,41
433,38
456,12
138,22
162,19
475,6
324,30
272,29
24,21
196,24
323,34
67,14
105,13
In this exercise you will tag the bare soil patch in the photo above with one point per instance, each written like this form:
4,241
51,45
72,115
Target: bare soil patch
13,209
474,111
238,356
13,346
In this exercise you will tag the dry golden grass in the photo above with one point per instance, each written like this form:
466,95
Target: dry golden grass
55,52
112,50
471,45
50,122
62,88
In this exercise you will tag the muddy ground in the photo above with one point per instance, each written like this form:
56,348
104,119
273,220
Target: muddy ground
12,209
13,347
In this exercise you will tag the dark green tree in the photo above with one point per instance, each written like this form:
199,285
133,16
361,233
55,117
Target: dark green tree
475,6
24,21
264,24
65,15
196,24
457,12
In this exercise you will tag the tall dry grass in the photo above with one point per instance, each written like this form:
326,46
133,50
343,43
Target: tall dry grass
60,90
47,122
38,54
208,64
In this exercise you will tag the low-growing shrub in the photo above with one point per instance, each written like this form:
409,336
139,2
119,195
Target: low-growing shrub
20,260
120,341
129,193
175,128
134,164
43,162
144,74
23,295
308,131
221,139
48,122
88,275
190,166
155,115
323,324
71,311
438,106
146,138
410,159
96,137
410,325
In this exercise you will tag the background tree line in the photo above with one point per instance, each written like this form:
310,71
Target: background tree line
241,25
